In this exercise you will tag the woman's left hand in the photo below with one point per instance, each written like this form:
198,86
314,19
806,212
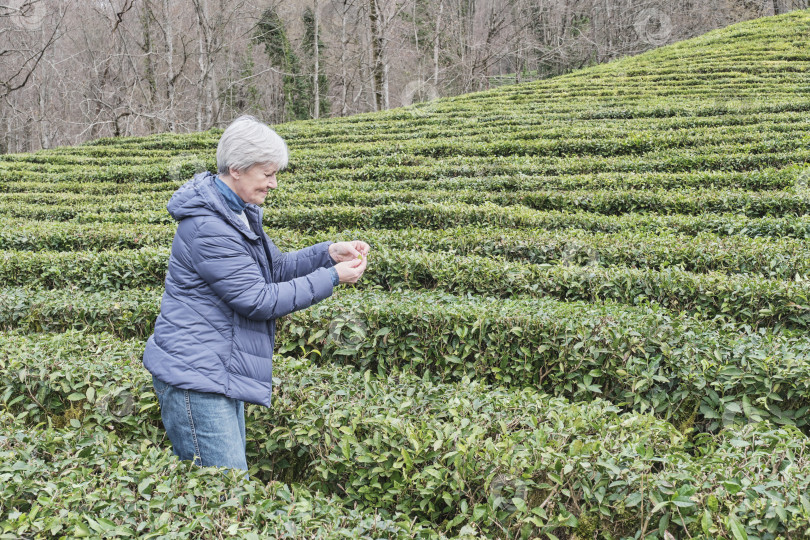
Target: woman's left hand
346,251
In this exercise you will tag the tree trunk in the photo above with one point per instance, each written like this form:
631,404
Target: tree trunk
436,45
386,103
170,75
44,123
344,43
316,84
202,83
149,61
376,67
6,125
205,61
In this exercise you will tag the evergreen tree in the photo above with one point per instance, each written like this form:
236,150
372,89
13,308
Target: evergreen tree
270,31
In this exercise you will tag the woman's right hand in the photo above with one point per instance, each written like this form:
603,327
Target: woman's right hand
351,271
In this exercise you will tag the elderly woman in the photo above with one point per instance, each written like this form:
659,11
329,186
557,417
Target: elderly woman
226,285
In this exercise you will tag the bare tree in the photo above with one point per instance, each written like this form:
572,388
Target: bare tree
217,34
132,67
316,76
382,16
345,24
24,41
436,41
344,45
208,44
171,74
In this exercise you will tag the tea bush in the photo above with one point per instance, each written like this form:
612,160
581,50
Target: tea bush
465,456
90,483
741,299
641,359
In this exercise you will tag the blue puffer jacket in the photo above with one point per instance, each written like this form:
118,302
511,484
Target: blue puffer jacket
225,286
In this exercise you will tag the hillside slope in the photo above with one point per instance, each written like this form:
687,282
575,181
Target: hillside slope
585,312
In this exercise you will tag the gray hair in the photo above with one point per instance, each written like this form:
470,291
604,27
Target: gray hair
248,141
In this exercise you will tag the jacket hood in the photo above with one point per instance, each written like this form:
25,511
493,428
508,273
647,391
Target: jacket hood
200,197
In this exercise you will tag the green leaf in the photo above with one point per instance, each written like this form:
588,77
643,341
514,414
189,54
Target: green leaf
684,503
346,448
734,407
706,521
80,530
736,529
479,512
632,500
406,456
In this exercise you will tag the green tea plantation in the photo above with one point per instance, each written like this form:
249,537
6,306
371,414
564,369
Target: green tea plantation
585,316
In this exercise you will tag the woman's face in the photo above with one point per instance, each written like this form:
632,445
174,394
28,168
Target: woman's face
253,184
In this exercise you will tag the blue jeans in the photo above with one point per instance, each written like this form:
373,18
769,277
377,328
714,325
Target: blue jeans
205,427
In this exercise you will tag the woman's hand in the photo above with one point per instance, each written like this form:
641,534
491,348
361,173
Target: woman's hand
348,251
350,271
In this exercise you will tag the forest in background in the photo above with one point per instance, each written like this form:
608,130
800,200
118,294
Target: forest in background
73,71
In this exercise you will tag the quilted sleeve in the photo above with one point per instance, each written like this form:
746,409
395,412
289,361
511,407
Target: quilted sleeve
224,263
294,264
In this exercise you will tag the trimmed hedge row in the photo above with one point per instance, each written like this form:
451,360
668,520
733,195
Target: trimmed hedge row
48,161
391,173
746,300
704,252
567,124
427,177
642,359
738,299
554,128
610,202
464,457
88,188
645,360
423,178
426,218
444,216
374,179
550,133
564,120
585,139
88,270
481,159
86,214
74,483
122,174
28,235
127,314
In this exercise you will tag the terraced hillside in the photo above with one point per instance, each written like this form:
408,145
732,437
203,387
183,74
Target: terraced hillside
585,316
